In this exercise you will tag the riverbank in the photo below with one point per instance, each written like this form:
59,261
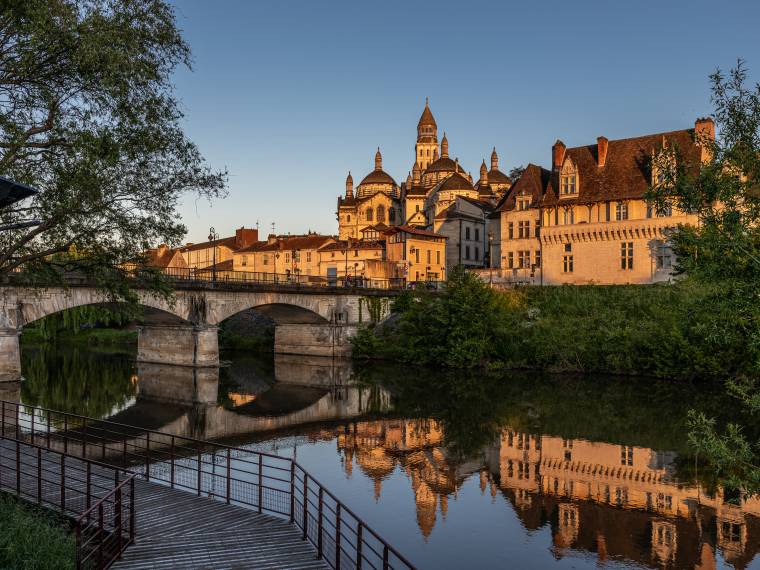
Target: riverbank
685,330
33,538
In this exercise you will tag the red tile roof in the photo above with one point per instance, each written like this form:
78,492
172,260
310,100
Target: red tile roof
626,174
416,231
533,183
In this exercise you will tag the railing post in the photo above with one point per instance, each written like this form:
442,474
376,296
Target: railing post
84,439
292,491
39,475
200,470
337,535
229,475
32,428
305,503
171,466
18,468
147,456
48,430
65,434
63,483
79,546
359,542
319,524
124,453
385,557
89,485
101,532
132,510
117,523
261,481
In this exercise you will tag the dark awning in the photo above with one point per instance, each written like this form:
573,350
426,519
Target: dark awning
11,192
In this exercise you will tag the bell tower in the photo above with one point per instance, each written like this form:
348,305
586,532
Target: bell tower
427,138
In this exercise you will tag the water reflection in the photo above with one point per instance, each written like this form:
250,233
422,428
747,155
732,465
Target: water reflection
520,470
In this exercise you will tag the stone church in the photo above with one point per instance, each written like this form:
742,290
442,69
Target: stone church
434,191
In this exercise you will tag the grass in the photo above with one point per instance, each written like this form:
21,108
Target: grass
33,539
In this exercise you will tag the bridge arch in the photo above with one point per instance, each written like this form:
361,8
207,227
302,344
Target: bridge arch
281,307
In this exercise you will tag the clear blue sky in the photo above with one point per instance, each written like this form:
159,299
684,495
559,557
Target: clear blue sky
291,95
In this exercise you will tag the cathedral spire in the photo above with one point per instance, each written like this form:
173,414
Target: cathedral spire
349,186
483,173
494,160
427,129
444,146
378,160
416,173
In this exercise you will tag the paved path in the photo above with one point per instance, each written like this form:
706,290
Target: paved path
174,529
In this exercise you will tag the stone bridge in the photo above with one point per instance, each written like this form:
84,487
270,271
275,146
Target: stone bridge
182,329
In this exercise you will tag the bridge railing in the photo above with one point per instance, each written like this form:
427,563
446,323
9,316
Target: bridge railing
263,482
99,498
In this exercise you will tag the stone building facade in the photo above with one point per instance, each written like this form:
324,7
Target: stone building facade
588,219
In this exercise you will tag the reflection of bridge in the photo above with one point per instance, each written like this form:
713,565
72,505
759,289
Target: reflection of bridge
183,329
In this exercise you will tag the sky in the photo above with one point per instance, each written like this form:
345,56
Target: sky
289,96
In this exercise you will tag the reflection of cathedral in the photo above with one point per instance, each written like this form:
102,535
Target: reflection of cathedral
616,501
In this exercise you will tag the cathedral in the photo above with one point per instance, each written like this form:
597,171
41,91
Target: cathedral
428,197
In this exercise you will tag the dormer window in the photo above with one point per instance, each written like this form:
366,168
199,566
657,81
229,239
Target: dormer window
568,179
523,203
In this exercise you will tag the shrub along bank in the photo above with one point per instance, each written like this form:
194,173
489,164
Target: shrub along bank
681,330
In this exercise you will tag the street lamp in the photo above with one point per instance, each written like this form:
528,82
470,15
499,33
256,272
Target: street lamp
490,253
212,237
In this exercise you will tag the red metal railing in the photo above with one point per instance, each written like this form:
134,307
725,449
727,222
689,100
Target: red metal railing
97,496
256,480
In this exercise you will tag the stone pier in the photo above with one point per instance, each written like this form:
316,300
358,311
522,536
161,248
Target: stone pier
10,356
314,339
183,345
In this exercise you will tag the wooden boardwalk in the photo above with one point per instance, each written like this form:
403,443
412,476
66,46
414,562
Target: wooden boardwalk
179,530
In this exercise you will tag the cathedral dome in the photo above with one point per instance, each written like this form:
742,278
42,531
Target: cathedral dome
496,176
427,119
378,177
456,182
443,164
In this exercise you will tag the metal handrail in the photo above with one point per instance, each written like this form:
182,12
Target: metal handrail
256,480
104,525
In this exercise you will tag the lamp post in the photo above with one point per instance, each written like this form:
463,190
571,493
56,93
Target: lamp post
490,253
212,237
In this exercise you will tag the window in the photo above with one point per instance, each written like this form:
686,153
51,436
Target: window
477,253
244,261
438,257
666,211
663,255
567,259
523,259
511,230
417,255
467,233
308,257
626,455
523,229
296,256
538,258
467,252
477,234
287,258
369,214
626,255
416,207
381,213
523,204
391,214
510,260
607,211
568,216
348,217
265,260
621,211
568,179
568,455
356,253
429,256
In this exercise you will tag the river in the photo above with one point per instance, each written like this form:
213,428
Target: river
456,470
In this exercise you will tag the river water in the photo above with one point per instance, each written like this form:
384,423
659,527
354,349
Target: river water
455,470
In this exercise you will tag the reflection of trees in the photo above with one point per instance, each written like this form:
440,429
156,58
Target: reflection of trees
76,380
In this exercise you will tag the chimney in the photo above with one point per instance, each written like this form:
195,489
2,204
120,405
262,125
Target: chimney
704,136
271,238
162,249
558,154
601,150
245,237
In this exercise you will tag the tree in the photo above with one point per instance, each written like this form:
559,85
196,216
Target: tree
89,117
516,173
725,249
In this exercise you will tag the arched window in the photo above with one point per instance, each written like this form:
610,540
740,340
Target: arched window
391,214
369,214
568,179
568,216
381,213
348,217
